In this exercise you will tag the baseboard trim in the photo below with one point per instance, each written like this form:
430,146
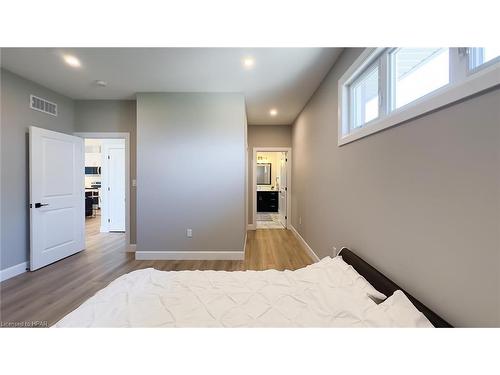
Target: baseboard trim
303,242
132,248
251,227
13,271
190,255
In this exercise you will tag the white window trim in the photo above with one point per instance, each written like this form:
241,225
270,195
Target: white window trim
456,90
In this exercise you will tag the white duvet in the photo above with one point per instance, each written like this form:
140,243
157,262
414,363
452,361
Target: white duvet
329,293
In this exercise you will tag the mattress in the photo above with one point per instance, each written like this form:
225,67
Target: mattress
328,293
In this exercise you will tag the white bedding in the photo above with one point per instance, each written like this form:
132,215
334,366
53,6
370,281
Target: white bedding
325,294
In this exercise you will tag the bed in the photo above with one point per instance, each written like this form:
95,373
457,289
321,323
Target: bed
343,291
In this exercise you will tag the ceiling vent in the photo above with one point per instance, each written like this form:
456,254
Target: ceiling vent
42,105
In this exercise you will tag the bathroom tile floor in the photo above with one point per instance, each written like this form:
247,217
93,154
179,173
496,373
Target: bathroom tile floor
268,220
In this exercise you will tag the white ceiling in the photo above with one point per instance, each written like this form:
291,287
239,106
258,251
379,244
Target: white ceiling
282,78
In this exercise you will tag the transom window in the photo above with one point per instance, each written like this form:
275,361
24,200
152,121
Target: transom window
480,56
364,98
386,86
416,72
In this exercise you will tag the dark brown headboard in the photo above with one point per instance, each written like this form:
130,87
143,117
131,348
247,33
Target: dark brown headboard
384,285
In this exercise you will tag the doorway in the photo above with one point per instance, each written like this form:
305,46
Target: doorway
107,185
271,187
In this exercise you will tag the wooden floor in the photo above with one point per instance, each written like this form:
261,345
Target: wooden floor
50,293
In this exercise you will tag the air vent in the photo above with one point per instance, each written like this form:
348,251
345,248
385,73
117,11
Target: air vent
42,105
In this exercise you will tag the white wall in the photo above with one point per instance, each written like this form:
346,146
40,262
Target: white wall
191,172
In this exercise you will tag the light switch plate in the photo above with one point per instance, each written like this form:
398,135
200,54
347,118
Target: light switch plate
189,232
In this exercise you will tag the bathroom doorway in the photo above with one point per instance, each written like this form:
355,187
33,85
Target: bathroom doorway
271,187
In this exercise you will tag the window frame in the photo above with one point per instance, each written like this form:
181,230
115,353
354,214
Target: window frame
463,83
472,55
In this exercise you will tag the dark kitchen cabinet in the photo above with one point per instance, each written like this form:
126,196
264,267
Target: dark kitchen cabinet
88,206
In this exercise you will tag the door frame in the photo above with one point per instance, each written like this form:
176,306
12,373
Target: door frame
288,150
128,187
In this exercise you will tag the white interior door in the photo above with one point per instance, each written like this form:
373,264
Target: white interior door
115,194
282,209
57,212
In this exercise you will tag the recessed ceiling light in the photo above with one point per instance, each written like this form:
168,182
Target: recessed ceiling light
101,83
72,61
273,112
248,62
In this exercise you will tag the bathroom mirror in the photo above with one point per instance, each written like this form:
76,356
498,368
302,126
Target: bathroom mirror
264,174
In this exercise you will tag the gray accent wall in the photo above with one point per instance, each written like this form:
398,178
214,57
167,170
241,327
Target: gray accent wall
16,117
264,136
419,201
112,116
191,171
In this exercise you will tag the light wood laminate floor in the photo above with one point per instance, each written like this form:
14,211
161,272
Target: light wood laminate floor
50,293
